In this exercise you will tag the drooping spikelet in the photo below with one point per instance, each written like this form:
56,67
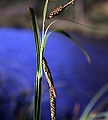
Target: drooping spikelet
52,105
48,76
52,91
58,10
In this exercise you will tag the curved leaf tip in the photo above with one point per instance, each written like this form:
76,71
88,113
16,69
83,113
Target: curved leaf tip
76,42
30,9
89,59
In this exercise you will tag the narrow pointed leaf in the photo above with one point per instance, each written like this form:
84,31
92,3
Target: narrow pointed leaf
46,37
71,21
44,44
49,26
44,17
45,10
35,29
93,102
38,77
77,43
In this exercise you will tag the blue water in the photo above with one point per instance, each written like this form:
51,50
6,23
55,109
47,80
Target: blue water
76,81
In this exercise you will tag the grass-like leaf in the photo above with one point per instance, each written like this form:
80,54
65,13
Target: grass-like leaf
38,78
44,17
46,37
72,21
93,101
77,43
67,35
35,29
43,34
36,33
45,10
49,26
44,44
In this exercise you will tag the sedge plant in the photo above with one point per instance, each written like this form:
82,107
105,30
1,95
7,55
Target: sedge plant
41,63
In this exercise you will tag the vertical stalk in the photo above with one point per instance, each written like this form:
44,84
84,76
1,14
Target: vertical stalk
37,98
38,86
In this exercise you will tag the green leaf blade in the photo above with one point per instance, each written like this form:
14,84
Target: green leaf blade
93,101
49,26
45,10
76,42
38,77
44,17
35,29
44,43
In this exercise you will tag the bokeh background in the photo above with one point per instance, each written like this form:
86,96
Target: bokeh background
14,13
76,80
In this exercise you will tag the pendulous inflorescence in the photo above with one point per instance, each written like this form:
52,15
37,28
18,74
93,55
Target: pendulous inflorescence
51,88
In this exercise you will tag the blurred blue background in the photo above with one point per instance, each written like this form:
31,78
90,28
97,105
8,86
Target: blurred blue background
76,81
